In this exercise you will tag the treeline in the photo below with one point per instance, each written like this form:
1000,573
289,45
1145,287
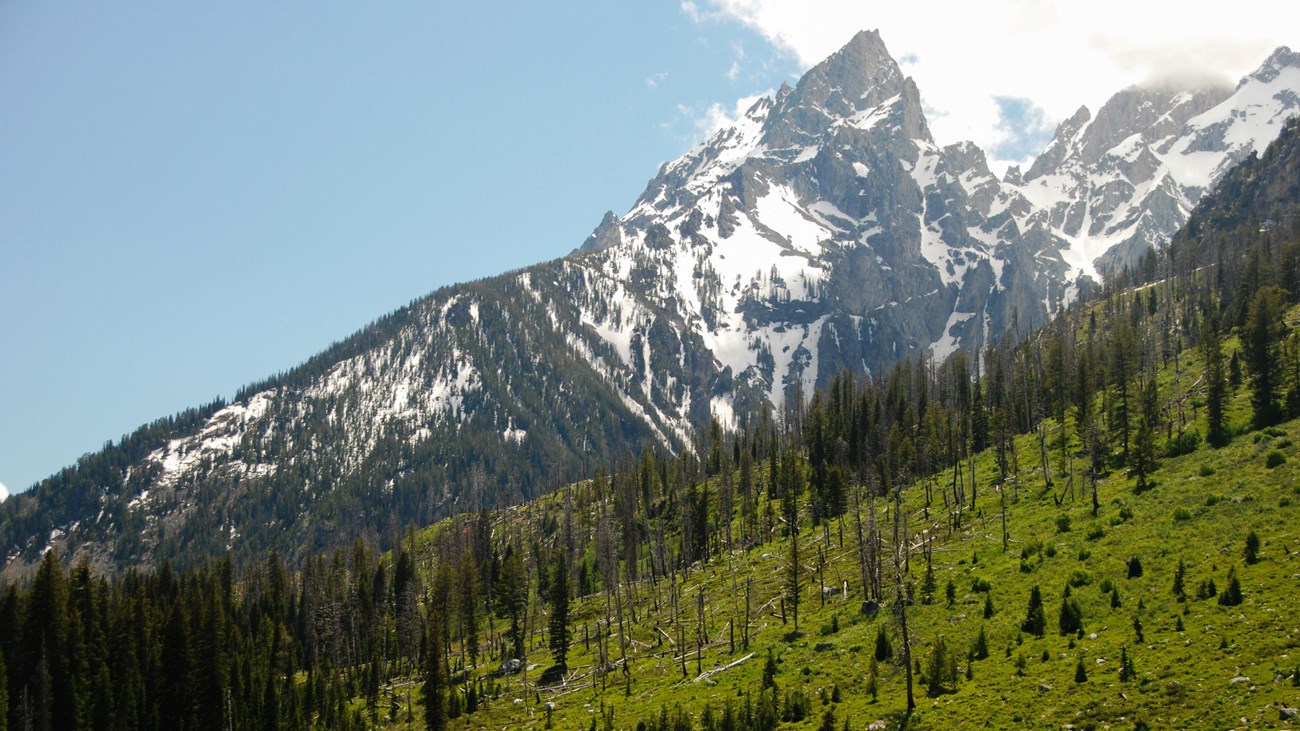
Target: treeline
77,491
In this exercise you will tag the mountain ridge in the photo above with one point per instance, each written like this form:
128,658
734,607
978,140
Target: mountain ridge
823,231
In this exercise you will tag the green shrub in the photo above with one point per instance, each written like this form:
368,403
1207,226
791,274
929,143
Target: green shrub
1184,443
1274,459
1134,567
1181,514
1080,578
1062,524
1095,531
1205,471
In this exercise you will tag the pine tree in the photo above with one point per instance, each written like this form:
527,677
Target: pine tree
435,678
1231,596
558,626
1080,672
1180,575
1126,671
4,695
1216,386
177,696
793,471
988,606
980,650
1035,621
873,685
1143,456
1123,363
43,650
512,596
1251,551
1261,337
941,669
884,650
1071,616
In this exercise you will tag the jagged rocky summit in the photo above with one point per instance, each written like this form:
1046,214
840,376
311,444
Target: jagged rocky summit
824,230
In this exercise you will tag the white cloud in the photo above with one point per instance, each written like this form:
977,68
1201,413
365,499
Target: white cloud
4,492
654,81
1057,54
734,72
716,116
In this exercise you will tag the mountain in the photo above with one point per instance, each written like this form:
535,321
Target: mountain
825,230
1115,185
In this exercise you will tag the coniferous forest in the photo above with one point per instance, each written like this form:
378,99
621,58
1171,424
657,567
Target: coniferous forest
1092,523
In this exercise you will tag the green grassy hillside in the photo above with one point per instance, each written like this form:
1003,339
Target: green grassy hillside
1193,662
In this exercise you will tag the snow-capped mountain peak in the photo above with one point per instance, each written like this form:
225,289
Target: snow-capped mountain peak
1116,185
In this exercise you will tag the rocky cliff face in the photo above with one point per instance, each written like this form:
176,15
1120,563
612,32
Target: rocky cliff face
825,230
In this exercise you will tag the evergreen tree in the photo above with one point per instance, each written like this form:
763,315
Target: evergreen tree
1216,387
1251,551
1180,575
884,650
941,669
435,676
1126,671
980,650
1035,620
1144,441
1080,672
1231,595
43,666
793,479
4,694
558,625
1123,364
512,597
177,693
1261,337
1071,616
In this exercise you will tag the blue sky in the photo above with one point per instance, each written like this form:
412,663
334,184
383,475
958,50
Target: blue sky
195,196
